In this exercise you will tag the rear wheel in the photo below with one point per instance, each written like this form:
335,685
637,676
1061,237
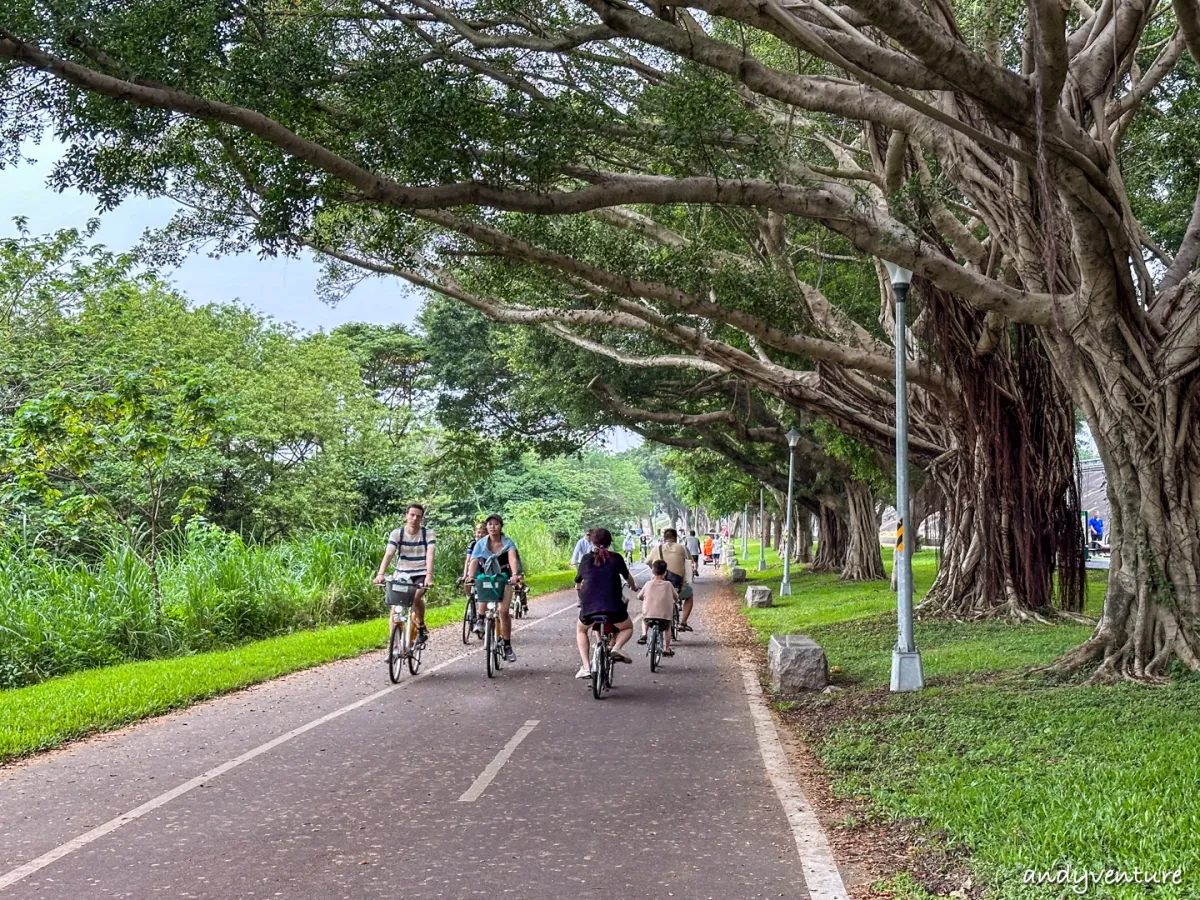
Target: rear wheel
655,647
598,666
395,653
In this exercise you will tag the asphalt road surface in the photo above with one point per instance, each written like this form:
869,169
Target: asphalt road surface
658,790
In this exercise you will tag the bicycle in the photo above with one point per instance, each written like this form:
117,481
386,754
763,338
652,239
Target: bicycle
490,591
654,641
520,601
402,642
602,661
676,613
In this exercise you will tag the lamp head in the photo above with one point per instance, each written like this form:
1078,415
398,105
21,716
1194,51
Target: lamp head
793,437
898,274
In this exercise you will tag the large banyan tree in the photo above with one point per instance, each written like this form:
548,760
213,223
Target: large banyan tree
663,168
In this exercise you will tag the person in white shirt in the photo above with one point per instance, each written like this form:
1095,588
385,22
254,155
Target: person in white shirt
582,546
627,546
692,545
717,551
412,547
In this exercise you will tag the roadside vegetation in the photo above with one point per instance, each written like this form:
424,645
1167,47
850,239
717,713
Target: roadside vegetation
45,715
1019,771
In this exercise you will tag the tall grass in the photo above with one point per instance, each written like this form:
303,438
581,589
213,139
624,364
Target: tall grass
535,541
215,591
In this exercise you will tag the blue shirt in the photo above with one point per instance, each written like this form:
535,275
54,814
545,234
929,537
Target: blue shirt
493,563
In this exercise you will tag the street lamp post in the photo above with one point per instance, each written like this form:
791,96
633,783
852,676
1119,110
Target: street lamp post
785,587
907,673
762,534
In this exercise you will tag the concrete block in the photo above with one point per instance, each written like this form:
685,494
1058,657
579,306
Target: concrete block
796,663
737,575
758,596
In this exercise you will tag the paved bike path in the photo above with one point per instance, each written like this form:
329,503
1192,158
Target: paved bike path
658,790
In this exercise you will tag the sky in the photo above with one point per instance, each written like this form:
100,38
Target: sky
282,288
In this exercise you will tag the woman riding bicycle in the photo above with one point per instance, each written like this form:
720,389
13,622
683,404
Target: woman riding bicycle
598,581
496,554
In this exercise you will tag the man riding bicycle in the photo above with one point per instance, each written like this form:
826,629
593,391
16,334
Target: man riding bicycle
679,571
412,547
692,545
496,554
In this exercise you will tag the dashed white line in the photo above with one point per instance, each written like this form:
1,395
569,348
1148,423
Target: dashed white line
471,794
816,858
24,871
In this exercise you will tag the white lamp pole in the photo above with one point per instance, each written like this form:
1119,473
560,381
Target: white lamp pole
785,587
745,529
907,672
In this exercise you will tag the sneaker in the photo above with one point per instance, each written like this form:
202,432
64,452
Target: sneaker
509,655
422,636
685,627
478,628
668,653
584,672
642,639
620,657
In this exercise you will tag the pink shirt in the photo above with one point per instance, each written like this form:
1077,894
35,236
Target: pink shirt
658,599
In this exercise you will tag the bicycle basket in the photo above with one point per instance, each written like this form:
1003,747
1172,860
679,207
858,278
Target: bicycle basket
399,592
490,588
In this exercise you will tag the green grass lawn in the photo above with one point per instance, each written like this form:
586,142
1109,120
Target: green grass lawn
1024,772
45,715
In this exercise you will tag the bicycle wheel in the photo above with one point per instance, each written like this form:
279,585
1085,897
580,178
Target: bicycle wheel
414,659
655,647
675,624
610,668
598,667
489,640
395,654
467,623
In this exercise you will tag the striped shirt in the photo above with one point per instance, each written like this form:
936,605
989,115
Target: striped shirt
410,551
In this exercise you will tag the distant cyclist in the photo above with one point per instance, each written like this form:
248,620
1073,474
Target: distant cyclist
480,531
627,546
598,581
645,544
679,570
496,554
692,545
582,546
412,547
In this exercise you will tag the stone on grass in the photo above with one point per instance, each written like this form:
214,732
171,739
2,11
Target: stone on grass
796,663
737,574
758,596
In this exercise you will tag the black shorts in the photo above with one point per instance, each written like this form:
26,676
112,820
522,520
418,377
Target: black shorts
676,581
614,618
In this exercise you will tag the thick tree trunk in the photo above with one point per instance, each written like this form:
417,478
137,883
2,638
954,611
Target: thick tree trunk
776,531
1151,612
864,560
803,553
831,540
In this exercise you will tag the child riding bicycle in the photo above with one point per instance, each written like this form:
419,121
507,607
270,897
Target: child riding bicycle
658,602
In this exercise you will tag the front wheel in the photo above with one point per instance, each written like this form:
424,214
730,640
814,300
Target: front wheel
489,642
414,660
467,621
395,654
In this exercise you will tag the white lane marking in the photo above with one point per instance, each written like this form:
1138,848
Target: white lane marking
816,858
24,871
471,794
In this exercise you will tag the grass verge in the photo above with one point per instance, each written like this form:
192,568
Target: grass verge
46,715
1023,773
